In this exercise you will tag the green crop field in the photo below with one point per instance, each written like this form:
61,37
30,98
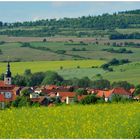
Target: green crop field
38,66
127,72
75,121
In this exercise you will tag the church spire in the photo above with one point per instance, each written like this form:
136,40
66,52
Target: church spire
8,74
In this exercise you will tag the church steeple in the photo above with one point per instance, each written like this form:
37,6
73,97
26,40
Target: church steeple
7,78
8,72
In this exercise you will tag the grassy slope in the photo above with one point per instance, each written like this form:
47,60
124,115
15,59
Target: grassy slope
37,66
128,72
77,121
92,51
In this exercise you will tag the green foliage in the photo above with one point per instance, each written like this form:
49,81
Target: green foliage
120,98
114,62
52,78
81,92
137,90
60,51
25,44
54,27
123,84
101,84
25,92
84,82
125,36
89,99
27,72
121,50
2,42
21,101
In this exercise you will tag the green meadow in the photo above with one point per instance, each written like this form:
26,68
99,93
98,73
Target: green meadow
127,72
91,51
38,66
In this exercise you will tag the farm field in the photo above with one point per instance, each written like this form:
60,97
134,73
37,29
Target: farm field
75,121
91,51
127,72
38,66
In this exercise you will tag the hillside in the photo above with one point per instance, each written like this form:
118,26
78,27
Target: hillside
99,38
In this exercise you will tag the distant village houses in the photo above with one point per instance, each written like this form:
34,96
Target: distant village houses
45,93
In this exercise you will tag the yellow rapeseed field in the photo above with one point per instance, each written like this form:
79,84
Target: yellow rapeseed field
74,121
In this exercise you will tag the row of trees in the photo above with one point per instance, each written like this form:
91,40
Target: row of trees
114,62
121,50
49,77
104,21
125,36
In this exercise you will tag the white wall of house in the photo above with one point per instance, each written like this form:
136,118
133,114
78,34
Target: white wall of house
34,95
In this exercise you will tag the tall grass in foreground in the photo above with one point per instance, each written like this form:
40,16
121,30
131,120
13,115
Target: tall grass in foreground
75,121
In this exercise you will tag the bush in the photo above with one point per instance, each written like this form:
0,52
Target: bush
81,92
101,84
21,101
60,51
25,44
89,99
120,98
123,84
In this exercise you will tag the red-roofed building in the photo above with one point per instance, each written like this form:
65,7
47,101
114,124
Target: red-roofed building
66,96
107,94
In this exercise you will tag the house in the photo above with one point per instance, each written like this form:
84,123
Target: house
107,94
34,95
66,96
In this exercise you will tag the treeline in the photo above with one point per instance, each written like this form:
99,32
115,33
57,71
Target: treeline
40,32
53,78
131,12
104,21
114,62
121,50
125,36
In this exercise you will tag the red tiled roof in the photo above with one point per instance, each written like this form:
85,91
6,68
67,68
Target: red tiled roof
105,93
50,87
67,94
108,93
120,91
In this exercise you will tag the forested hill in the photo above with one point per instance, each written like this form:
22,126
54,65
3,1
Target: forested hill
89,26
105,21
130,12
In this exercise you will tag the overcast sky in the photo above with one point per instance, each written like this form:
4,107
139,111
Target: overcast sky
26,11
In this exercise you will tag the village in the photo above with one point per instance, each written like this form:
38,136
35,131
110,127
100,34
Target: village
47,94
